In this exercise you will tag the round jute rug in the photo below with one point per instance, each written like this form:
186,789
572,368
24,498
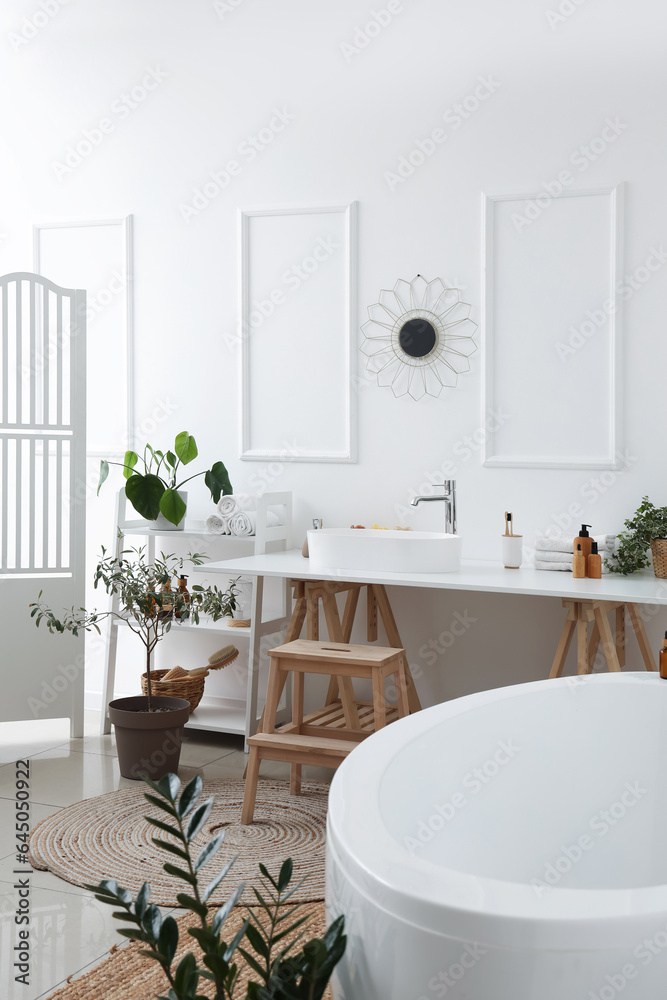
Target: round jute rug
127,975
108,837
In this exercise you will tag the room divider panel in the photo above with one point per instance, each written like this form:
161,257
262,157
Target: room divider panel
42,494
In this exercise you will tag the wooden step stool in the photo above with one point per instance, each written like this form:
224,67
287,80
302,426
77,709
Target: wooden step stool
322,739
582,613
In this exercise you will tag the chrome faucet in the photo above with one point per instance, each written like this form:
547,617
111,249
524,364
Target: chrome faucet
448,497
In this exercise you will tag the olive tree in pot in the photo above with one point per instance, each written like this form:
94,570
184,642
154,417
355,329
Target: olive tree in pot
149,728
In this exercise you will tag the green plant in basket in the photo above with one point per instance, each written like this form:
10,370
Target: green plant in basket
298,970
154,488
647,524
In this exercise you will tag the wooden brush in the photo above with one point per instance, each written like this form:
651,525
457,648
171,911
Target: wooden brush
222,657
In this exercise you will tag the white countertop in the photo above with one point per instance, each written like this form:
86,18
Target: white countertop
488,577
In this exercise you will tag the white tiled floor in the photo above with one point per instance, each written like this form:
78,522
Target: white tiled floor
70,930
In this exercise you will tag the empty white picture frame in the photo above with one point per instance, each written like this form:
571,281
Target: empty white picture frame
297,268
551,329
97,255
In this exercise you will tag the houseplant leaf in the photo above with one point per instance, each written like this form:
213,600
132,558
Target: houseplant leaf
129,462
185,447
217,480
172,506
145,493
104,473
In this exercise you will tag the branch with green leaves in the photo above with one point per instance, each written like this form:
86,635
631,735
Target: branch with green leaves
154,490
283,973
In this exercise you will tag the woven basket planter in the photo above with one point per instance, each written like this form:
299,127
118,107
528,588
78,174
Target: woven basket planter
190,688
659,551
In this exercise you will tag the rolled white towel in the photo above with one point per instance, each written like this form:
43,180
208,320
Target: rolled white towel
563,566
217,525
235,502
565,543
245,522
553,557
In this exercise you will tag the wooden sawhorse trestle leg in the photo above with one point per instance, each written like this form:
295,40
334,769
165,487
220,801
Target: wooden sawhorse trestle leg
581,614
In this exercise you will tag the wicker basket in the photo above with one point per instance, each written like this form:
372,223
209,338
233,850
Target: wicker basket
190,688
659,551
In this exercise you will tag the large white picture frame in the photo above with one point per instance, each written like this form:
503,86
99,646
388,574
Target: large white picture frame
552,329
297,272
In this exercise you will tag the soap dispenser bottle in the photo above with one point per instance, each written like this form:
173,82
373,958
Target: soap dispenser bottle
663,659
594,563
584,540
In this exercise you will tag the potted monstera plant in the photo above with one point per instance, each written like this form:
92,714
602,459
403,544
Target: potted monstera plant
149,727
154,487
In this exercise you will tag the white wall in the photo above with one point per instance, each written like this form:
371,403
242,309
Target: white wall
223,69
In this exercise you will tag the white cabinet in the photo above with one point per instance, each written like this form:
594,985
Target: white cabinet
216,714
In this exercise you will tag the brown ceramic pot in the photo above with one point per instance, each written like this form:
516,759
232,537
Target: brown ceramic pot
148,742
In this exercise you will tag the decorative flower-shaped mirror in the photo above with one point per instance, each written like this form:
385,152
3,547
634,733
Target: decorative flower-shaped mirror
419,337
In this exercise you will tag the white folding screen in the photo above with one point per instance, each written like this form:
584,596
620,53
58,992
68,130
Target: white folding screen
42,325
42,491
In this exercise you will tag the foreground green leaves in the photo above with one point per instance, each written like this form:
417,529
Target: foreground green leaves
299,970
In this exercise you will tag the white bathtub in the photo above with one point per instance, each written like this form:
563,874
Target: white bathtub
511,845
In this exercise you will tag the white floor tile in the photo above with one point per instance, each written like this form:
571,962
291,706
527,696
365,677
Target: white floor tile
38,812
60,776
67,931
25,739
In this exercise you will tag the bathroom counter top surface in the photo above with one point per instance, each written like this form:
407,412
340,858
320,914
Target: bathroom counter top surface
489,577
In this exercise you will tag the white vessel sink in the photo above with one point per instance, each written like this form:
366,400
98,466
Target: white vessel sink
375,549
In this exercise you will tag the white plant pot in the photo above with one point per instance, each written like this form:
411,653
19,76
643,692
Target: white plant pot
161,522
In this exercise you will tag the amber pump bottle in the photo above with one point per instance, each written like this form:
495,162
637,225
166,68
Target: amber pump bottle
578,564
663,659
183,591
594,563
585,541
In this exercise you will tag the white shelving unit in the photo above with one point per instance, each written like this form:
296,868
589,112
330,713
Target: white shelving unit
220,715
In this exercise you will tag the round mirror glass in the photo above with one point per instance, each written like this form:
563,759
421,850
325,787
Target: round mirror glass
417,337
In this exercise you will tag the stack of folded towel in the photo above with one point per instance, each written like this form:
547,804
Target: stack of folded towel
237,515
557,553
